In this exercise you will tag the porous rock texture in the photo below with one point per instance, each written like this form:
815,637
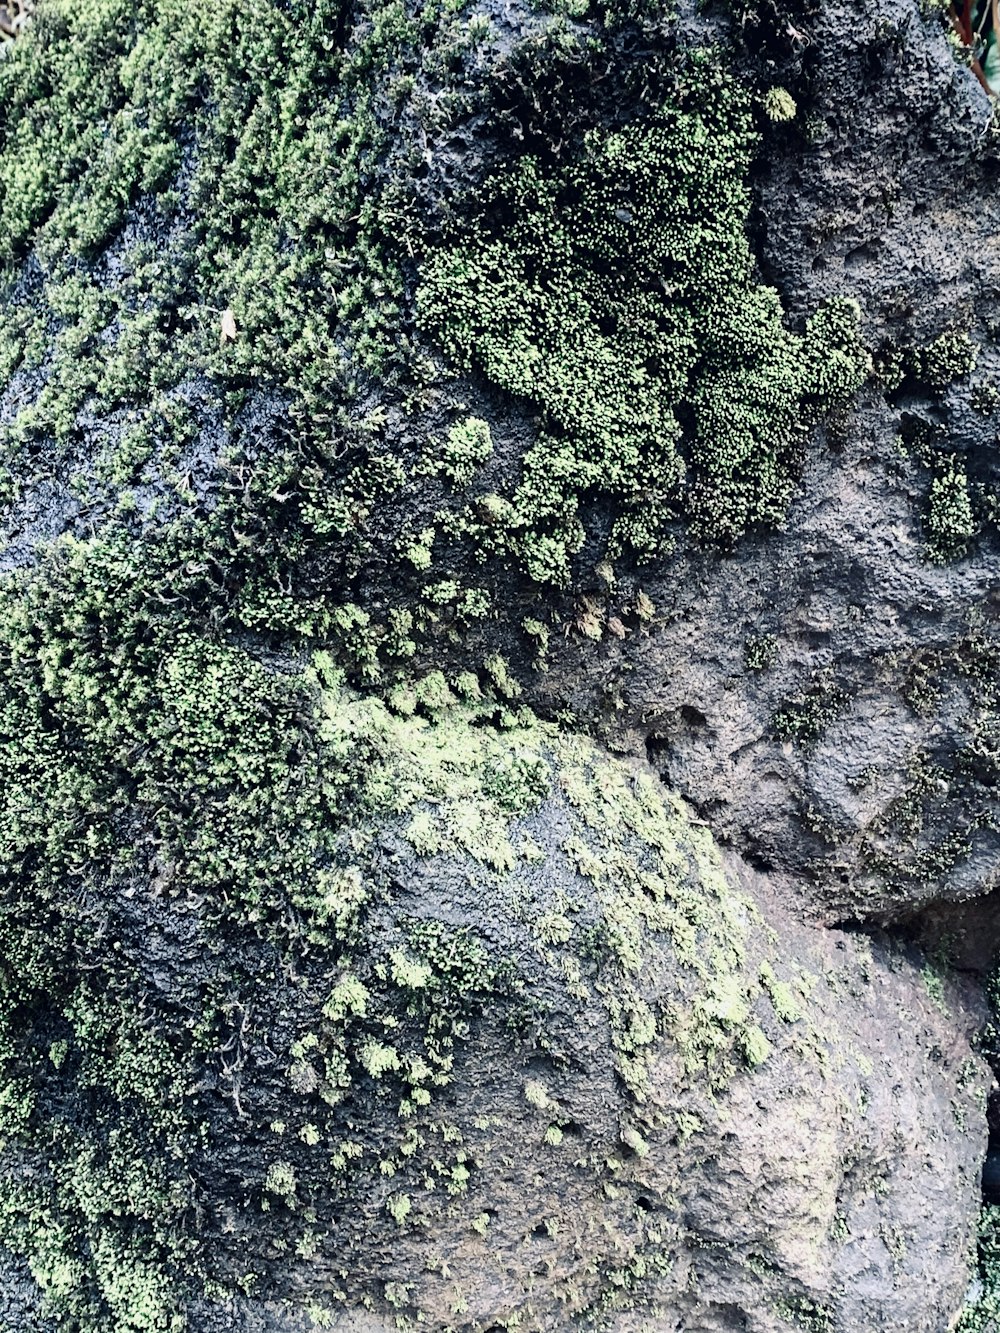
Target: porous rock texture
395,939
891,200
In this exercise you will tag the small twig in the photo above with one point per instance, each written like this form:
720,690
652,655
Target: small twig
13,16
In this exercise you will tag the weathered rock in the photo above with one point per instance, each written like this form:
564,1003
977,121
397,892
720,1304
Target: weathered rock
805,1144
421,1014
818,695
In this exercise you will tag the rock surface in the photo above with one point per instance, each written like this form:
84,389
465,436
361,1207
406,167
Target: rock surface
886,196
363,973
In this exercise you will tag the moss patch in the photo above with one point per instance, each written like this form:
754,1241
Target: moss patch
200,787
617,296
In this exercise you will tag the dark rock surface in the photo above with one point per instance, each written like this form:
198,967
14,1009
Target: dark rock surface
888,196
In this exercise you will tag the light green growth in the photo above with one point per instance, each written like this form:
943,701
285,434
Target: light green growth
985,398
281,1180
779,105
378,1059
805,717
348,997
634,1140
499,672
802,1312
951,356
760,651
782,996
408,972
594,293
754,1044
934,985
950,523
539,634
466,448
462,783
418,552
537,1095
432,692
660,885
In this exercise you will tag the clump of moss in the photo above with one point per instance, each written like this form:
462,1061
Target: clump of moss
985,398
779,105
949,357
950,522
805,717
982,1312
617,296
466,448
937,364
760,651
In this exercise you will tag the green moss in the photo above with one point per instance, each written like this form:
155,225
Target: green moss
936,365
951,356
782,995
215,208
802,1312
466,448
950,523
805,717
779,105
594,293
760,651
981,1313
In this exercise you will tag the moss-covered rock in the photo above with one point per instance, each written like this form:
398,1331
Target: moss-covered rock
331,999
617,295
329,970
205,818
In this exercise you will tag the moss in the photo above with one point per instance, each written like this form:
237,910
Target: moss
805,717
950,523
951,356
981,1312
280,1180
760,651
985,398
467,448
802,1312
782,995
210,724
584,293
754,1045
779,105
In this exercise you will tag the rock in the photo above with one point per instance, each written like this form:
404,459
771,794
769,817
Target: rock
844,762
417,911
